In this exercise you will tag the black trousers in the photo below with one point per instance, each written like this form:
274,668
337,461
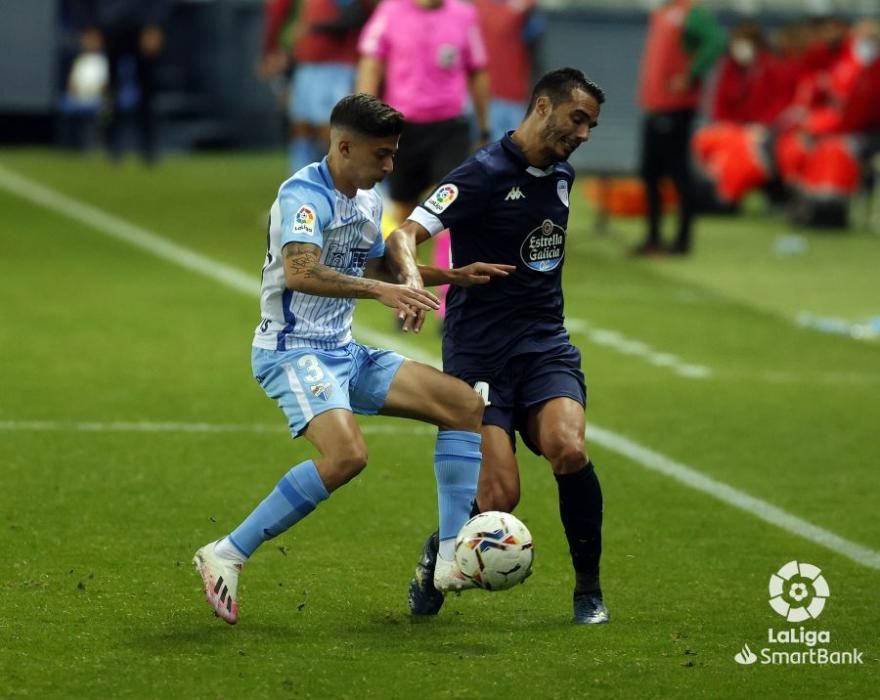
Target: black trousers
428,151
666,138
119,45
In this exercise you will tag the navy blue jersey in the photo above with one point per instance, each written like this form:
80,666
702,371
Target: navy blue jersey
499,209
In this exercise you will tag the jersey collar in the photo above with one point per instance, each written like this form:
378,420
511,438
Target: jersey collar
324,172
516,152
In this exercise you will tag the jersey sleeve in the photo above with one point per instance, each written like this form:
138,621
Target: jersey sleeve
462,196
305,213
373,41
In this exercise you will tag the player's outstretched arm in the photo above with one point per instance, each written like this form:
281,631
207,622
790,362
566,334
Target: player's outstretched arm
467,276
400,260
303,272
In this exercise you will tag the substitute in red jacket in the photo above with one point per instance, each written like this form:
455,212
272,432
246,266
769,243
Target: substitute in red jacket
821,158
747,92
683,42
747,79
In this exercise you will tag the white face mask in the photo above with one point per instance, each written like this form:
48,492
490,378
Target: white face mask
866,50
743,52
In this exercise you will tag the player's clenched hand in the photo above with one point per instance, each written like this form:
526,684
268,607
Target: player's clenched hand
480,273
412,321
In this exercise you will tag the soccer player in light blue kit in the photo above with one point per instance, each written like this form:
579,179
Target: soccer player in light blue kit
325,250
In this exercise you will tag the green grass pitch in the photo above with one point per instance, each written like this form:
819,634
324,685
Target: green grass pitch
131,433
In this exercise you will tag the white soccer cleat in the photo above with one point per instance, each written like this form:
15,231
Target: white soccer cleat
447,577
220,576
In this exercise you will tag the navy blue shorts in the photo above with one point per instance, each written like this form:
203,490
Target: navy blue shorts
523,382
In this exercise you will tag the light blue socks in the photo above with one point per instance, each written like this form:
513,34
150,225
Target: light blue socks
457,468
295,496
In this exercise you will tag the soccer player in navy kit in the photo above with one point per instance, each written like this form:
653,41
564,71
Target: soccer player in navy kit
509,203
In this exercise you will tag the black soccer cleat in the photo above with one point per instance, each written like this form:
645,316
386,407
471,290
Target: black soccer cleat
589,609
423,598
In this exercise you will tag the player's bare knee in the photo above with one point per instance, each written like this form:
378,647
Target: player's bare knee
568,458
466,412
474,411
350,461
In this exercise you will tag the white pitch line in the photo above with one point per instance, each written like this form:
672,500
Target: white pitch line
637,348
230,277
182,427
656,462
125,231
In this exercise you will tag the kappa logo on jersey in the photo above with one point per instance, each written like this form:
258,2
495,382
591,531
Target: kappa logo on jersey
441,199
514,194
544,247
562,191
304,221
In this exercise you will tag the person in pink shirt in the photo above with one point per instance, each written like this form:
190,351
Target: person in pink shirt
423,57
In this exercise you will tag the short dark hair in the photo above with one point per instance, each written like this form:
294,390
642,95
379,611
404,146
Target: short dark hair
366,115
558,84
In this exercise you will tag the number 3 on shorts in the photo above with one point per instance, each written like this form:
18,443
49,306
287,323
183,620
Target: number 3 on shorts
314,373
482,388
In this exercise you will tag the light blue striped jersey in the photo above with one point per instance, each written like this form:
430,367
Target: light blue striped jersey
309,209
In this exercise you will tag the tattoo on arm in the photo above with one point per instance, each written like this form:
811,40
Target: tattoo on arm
301,258
302,267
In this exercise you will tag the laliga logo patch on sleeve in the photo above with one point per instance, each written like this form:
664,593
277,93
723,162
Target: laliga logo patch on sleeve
304,220
441,199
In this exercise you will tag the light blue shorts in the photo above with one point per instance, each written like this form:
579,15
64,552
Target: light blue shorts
307,382
316,88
